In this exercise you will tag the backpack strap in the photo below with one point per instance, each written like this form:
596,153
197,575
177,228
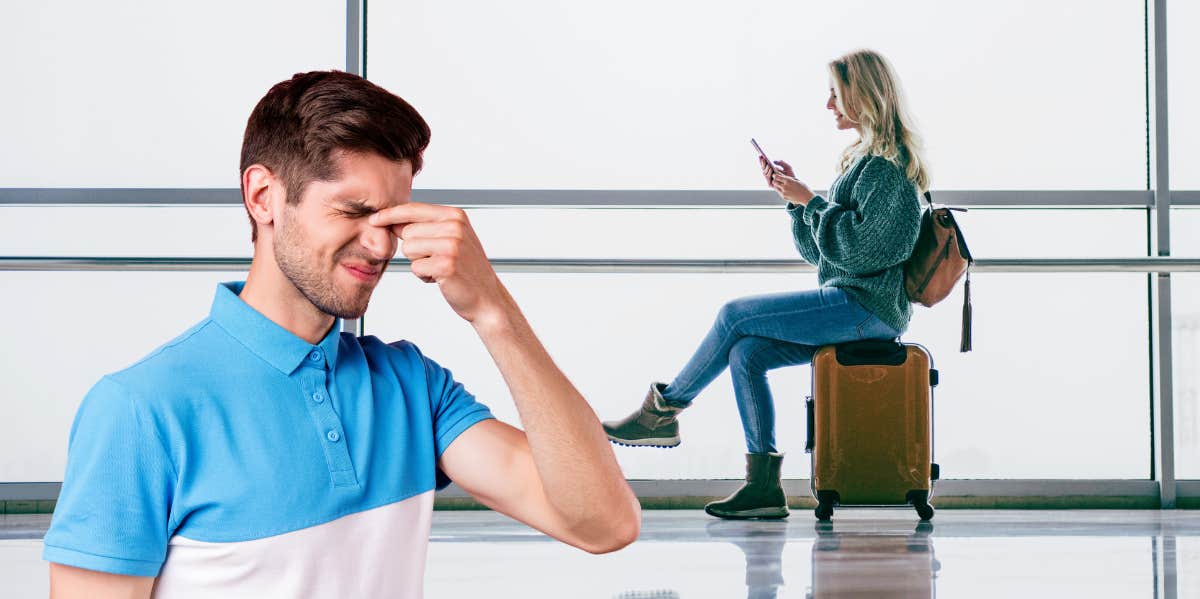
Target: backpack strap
966,314
965,344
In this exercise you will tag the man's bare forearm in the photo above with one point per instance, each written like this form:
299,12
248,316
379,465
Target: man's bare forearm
69,582
579,472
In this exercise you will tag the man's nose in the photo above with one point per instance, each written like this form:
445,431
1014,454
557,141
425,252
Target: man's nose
379,241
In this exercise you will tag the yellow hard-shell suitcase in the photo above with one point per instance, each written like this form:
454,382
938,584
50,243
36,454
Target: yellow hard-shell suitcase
870,426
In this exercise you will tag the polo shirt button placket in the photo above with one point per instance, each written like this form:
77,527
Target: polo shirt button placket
313,382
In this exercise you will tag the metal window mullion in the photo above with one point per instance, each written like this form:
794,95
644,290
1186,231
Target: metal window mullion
602,265
1163,400
355,36
1057,488
681,488
356,62
584,198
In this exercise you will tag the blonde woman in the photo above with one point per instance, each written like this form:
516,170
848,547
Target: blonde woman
858,238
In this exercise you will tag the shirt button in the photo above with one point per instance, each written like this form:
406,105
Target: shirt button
314,355
317,397
333,436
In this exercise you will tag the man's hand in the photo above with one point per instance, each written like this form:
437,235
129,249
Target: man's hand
444,249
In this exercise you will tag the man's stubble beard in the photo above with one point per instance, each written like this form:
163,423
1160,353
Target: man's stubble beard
317,287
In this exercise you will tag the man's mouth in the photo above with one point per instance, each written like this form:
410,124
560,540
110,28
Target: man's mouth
363,272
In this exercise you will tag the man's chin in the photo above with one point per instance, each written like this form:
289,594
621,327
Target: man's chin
343,313
347,312
356,307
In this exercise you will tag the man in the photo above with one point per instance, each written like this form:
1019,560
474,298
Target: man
265,454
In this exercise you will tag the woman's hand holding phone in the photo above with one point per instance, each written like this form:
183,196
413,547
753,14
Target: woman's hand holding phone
780,167
782,178
792,189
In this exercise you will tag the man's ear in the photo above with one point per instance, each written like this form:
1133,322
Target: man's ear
260,187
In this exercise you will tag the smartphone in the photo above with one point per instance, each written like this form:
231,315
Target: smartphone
763,154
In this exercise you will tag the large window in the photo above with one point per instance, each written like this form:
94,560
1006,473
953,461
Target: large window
1057,387
131,94
1185,333
1012,408
630,94
618,98
1184,81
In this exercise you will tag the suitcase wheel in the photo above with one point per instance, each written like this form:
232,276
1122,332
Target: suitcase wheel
824,512
925,511
919,499
826,500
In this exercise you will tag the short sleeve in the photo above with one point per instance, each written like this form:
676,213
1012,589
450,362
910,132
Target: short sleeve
454,410
114,508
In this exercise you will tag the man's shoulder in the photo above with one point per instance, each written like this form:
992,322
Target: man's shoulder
169,364
402,355
402,359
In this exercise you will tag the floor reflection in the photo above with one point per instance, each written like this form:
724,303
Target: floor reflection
981,554
898,563
762,543
886,562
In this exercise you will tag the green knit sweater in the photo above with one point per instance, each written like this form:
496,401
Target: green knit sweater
861,236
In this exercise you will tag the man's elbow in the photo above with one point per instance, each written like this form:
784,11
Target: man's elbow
616,532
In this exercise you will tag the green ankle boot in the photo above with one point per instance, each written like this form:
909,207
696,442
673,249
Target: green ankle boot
762,495
653,425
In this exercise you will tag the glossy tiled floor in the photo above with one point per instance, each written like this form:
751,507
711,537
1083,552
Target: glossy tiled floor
868,553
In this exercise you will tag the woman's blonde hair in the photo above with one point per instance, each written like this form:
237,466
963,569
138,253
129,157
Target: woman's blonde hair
868,92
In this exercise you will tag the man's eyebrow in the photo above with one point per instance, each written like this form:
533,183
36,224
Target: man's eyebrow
357,206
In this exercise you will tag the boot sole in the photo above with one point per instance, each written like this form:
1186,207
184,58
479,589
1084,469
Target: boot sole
773,513
663,442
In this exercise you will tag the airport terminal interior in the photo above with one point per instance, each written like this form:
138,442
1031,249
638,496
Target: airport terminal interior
602,154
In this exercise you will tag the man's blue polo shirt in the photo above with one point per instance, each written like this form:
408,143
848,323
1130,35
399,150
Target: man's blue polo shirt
239,460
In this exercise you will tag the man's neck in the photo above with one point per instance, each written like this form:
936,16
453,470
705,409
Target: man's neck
274,296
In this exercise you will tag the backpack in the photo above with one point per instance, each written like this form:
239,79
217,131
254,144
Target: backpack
939,259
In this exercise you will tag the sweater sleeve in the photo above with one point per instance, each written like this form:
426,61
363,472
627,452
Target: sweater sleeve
876,229
802,235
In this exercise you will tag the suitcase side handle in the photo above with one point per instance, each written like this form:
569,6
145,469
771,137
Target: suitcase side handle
808,444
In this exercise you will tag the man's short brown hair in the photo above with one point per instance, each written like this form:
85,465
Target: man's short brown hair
298,126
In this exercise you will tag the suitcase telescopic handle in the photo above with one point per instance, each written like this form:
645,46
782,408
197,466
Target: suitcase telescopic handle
808,444
875,352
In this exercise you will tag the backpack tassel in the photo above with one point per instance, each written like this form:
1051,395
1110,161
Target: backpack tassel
966,314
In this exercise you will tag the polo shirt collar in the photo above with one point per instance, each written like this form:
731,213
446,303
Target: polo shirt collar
271,342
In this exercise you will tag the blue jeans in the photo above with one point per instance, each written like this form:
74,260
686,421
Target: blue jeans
755,334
